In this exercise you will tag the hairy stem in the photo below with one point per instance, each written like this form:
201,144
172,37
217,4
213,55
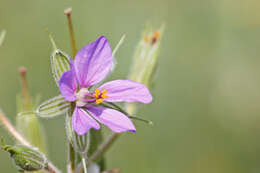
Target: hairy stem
11,129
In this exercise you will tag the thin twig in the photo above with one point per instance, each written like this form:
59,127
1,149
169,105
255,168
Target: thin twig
11,129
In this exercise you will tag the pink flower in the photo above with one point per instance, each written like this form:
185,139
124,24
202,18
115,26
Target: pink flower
92,64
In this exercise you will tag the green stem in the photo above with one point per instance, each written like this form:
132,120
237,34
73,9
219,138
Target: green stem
72,36
84,165
72,158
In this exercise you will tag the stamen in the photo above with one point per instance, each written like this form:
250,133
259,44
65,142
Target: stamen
104,92
156,36
98,101
96,93
100,96
104,96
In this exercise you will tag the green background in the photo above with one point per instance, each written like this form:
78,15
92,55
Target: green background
206,106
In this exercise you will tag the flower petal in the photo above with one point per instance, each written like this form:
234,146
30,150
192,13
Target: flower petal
93,62
113,119
68,85
126,91
82,122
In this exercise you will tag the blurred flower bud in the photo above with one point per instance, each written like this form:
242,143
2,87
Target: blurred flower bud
146,55
26,120
26,158
145,60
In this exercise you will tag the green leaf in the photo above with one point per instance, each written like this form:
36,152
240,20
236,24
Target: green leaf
53,107
60,61
2,37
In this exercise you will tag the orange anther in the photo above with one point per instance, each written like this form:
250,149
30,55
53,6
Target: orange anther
156,35
98,101
104,92
104,96
96,93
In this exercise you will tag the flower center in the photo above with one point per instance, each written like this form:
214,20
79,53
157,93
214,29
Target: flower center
84,97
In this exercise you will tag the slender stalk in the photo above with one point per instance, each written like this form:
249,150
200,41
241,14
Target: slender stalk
11,129
84,165
72,36
68,12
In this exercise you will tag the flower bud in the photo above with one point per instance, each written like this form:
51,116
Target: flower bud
26,158
145,60
146,55
26,121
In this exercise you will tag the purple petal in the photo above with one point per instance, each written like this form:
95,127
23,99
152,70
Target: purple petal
126,91
68,85
93,62
113,119
82,122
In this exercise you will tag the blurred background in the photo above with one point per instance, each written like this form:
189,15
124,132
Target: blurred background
206,106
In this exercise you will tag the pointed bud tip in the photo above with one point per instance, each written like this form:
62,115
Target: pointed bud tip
68,11
156,36
22,70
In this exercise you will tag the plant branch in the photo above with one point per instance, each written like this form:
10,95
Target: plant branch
11,129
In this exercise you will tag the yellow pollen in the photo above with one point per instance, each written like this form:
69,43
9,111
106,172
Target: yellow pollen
104,92
156,36
96,93
100,96
98,101
104,96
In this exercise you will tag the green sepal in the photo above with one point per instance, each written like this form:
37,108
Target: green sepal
60,61
53,107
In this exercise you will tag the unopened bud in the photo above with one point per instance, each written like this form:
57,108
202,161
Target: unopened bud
26,158
145,59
